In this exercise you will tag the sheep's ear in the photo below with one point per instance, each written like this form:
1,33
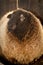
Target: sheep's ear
9,16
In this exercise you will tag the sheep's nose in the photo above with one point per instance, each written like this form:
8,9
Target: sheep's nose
19,24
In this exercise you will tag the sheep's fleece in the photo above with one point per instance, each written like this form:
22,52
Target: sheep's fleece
30,46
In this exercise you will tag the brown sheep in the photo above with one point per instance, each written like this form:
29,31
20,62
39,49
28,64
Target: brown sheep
21,36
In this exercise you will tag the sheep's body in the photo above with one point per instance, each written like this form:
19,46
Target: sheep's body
24,51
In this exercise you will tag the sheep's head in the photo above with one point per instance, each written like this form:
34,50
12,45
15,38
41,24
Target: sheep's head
21,35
